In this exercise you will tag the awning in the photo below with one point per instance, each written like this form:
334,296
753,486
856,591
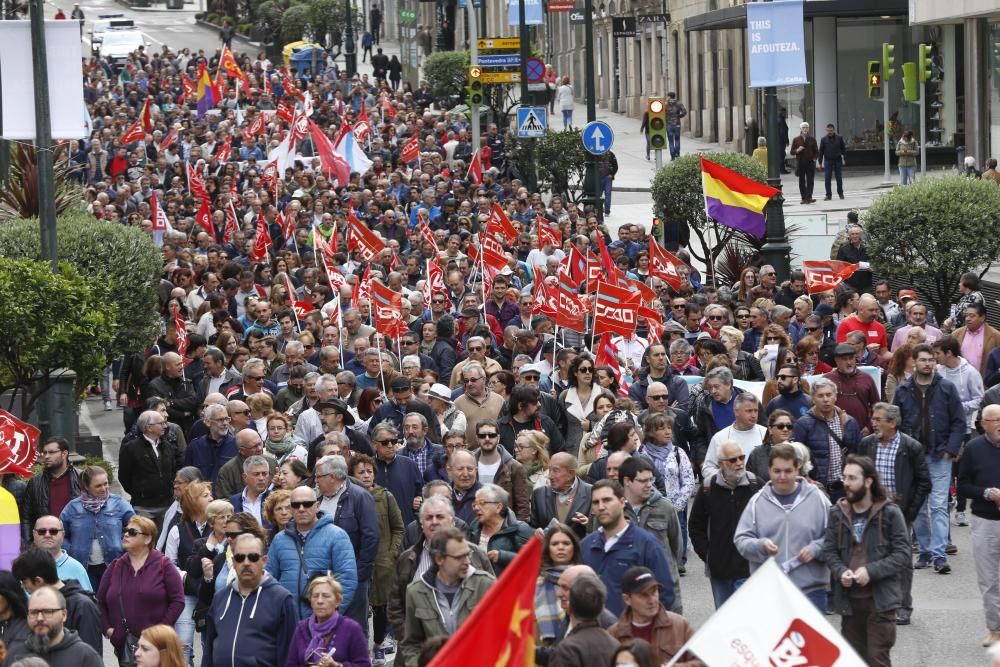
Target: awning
736,17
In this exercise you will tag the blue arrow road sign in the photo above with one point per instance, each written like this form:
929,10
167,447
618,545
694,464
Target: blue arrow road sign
597,137
499,61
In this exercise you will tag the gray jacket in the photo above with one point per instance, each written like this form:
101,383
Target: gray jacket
658,516
804,525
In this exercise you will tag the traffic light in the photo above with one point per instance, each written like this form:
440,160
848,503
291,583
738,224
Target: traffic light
656,122
887,60
911,89
924,70
874,79
474,88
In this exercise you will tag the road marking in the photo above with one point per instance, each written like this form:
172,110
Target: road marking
152,38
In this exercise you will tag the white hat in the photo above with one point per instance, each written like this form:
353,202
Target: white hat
440,392
531,368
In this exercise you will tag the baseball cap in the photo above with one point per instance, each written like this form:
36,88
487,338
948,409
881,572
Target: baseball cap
823,309
843,350
905,294
637,579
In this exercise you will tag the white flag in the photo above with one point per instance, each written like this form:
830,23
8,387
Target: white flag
787,631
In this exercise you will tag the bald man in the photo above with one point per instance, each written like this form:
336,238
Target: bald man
173,386
230,479
865,320
566,579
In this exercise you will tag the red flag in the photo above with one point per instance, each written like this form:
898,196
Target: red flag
607,355
546,299
182,335
387,308
204,218
435,284
654,323
648,295
425,233
548,232
287,223
361,238
285,111
362,126
571,314
18,445
499,225
171,138
387,106
475,173
255,127
411,151
824,275
160,222
663,265
262,241
501,629
335,277
321,246
232,224
190,90
363,289
196,182
225,151
227,64
607,263
134,133
616,309
334,165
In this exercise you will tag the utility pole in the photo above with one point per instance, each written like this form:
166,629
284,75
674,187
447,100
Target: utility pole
591,182
43,136
776,250
530,178
477,131
350,47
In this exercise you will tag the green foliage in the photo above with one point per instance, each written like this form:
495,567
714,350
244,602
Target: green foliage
933,231
677,197
294,23
19,198
269,17
323,16
122,258
446,72
213,18
51,321
100,463
244,28
559,159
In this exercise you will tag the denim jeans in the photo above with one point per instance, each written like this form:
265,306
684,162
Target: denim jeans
931,524
567,118
907,175
606,182
723,589
358,609
185,628
674,140
833,168
683,518
818,597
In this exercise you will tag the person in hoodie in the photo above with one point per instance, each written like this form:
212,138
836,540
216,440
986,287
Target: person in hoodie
251,621
867,548
440,600
787,520
952,366
50,639
36,569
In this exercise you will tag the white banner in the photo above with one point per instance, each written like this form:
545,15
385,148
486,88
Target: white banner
17,94
757,388
787,631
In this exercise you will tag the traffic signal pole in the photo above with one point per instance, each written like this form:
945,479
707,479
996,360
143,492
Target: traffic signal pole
923,129
473,62
887,72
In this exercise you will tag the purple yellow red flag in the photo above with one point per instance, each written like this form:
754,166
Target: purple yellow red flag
733,200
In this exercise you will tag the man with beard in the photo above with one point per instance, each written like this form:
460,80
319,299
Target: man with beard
50,640
867,547
790,395
49,491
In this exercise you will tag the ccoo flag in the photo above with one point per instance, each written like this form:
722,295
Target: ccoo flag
501,629
734,200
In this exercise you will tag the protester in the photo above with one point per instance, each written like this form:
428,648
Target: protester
50,638
159,647
327,633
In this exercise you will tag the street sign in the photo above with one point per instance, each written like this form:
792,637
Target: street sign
577,17
534,70
652,18
506,43
597,137
501,77
532,122
407,16
537,87
623,26
511,60
561,5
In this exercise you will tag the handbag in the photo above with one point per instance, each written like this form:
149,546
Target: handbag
127,657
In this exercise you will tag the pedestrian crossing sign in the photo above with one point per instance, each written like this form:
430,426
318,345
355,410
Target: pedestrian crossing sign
532,122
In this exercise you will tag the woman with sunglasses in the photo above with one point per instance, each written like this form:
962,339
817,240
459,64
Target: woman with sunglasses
767,354
578,398
93,524
140,588
779,430
807,353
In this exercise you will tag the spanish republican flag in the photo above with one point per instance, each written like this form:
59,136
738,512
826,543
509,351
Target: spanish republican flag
501,630
734,200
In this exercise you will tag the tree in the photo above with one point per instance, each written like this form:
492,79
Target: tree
931,232
559,158
50,321
446,73
295,23
123,258
269,15
19,198
678,199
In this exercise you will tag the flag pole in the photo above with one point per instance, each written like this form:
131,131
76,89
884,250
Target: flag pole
555,351
381,373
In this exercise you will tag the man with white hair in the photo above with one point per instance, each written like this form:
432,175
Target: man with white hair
309,426
805,150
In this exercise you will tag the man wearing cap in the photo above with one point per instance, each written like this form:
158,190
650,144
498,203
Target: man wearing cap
645,618
401,402
856,391
916,318
336,417
534,375
864,320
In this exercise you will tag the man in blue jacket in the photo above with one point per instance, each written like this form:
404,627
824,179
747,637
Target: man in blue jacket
932,413
618,545
252,620
353,510
211,451
311,544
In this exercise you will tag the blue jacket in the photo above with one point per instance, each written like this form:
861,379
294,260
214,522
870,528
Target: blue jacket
209,456
326,549
249,631
356,517
947,416
403,479
82,527
677,387
810,432
635,547
437,461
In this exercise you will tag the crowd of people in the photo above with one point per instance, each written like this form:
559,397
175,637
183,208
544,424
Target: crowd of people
307,485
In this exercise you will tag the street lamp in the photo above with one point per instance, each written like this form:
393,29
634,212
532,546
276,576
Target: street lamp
350,49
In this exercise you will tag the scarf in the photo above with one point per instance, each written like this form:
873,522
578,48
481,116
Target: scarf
320,636
93,504
281,447
548,612
658,455
533,467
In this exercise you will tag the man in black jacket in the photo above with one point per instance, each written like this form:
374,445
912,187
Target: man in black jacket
147,465
714,515
902,467
36,568
832,159
49,491
177,389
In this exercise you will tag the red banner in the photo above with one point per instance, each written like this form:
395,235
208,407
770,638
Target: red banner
663,265
500,225
825,275
362,239
262,241
616,309
387,308
411,151
607,355
548,232
18,445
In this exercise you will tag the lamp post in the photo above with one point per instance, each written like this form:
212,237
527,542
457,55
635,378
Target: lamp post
43,136
530,177
591,182
350,48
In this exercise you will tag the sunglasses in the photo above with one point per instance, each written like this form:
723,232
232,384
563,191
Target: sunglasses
744,316
48,531
233,536
387,441
300,504
253,558
255,378
679,306
487,435
132,532
783,426
812,329
657,397
585,369
734,459
531,378
788,377
716,317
